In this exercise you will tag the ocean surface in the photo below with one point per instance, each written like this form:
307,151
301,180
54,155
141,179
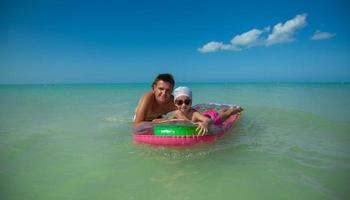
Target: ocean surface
75,142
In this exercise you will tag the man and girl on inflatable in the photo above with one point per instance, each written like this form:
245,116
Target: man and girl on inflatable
160,101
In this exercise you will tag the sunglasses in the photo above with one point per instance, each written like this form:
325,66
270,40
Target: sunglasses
180,102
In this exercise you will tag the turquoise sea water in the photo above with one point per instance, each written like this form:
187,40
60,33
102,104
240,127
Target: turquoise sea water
75,142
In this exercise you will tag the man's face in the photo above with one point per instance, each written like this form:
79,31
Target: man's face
162,91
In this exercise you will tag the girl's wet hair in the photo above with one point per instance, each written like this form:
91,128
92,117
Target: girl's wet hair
166,78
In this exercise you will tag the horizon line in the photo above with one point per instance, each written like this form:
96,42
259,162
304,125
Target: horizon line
177,83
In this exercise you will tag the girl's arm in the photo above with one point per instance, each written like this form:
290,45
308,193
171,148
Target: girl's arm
203,123
163,120
172,118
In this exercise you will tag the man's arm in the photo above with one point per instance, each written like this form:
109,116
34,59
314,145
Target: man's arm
142,107
173,117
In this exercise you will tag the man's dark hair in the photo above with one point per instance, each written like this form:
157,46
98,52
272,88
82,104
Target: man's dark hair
166,78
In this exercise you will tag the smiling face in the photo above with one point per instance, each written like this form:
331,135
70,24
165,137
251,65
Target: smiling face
162,91
183,103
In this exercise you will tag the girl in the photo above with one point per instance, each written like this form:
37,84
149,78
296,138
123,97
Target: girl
184,112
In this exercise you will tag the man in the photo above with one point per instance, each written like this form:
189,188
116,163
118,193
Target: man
157,102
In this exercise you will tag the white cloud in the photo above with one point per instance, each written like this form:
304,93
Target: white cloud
216,46
230,47
247,38
211,47
319,35
282,33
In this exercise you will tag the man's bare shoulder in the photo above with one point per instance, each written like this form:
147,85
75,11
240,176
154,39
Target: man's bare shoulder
145,101
148,97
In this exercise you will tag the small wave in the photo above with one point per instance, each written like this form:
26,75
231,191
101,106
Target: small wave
118,119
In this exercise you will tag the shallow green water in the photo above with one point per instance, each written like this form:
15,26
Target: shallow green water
74,142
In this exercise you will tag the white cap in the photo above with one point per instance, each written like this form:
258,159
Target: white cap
182,91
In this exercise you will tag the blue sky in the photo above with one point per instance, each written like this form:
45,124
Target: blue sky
198,41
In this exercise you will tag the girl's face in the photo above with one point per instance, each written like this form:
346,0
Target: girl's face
183,103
